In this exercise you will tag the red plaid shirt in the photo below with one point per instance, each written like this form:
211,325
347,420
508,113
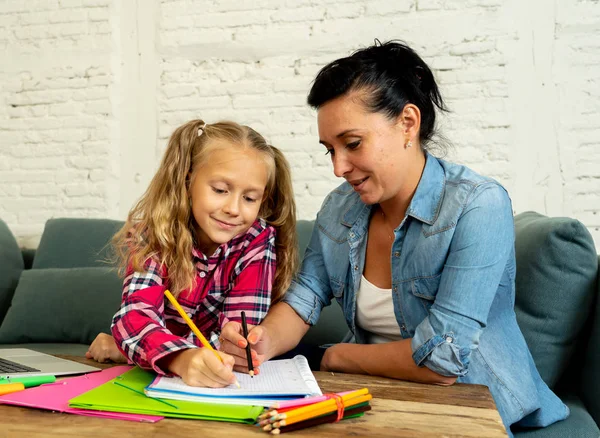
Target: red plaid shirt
238,276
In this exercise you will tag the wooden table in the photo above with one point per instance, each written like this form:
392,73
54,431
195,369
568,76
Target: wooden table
399,409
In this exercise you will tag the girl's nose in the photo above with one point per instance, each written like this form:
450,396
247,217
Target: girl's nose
232,206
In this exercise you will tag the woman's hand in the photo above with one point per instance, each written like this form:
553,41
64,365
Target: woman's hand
104,349
201,367
234,343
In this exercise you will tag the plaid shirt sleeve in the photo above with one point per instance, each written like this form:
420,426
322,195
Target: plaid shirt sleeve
254,276
139,326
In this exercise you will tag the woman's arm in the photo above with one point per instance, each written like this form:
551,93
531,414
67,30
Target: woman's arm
442,343
479,253
392,359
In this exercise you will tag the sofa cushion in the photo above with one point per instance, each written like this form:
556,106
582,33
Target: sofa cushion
590,379
579,424
79,242
11,265
556,272
62,305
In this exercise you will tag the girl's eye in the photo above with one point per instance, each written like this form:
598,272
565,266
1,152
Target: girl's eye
218,191
330,152
252,200
353,145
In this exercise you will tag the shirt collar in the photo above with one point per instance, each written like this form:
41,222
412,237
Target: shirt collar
426,202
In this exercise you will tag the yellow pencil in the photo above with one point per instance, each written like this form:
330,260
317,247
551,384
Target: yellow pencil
9,388
331,403
321,411
193,327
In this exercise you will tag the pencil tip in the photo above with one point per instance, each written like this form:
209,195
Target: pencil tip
251,374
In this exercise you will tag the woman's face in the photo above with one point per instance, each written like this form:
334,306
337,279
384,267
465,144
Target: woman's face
367,149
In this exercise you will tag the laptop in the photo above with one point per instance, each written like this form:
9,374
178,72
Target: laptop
23,362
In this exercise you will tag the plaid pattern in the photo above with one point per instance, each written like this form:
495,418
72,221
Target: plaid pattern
238,276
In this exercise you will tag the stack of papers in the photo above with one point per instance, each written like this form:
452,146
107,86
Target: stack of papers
278,380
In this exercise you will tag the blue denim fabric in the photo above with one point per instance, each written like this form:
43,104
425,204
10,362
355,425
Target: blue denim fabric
453,283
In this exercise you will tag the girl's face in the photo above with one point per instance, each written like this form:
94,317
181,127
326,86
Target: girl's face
226,193
367,149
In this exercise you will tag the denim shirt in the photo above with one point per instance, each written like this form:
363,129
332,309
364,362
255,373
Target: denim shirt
453,284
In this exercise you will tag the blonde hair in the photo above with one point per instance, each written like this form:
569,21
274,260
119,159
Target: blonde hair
161,224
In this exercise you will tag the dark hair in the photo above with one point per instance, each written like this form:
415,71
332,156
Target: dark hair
392,74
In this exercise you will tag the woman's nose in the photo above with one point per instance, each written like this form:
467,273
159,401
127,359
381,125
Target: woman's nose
341,165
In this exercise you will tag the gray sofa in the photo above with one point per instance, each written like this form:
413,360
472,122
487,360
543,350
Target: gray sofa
57,297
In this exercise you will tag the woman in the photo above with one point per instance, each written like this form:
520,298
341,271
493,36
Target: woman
419,252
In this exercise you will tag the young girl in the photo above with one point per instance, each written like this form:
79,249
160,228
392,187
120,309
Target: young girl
217,216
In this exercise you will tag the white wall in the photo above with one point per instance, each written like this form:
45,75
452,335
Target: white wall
90,90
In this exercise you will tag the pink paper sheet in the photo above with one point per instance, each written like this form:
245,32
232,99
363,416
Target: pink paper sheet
56,396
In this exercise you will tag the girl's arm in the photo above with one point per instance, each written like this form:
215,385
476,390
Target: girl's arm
139,326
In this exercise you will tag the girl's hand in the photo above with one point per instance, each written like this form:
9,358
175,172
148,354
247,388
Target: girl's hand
201,367
104,349
234,343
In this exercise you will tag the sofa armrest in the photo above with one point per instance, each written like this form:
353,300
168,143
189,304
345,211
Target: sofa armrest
590,382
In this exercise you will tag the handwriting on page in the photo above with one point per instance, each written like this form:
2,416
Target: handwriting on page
280,377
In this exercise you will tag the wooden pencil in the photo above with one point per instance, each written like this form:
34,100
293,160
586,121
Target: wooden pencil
327,403
291,419
329,418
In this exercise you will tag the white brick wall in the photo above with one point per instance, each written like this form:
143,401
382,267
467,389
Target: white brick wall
92,89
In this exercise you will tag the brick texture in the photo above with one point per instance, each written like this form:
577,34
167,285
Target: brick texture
92,89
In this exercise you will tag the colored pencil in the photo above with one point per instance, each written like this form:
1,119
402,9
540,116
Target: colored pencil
327,403
287,404
321,411
193,327
330,418
9,388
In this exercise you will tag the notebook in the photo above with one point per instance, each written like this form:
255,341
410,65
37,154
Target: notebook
278,380
55,396
125,393
23,362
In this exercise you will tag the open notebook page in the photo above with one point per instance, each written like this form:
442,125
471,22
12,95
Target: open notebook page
286,377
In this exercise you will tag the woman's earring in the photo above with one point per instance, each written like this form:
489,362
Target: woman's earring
408,144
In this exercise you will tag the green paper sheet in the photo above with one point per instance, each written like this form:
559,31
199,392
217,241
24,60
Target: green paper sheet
131,399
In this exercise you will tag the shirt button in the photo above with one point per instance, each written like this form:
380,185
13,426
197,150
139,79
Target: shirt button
189,314
397,254
202,274
403,327
449,339
356,267
395,288
351,234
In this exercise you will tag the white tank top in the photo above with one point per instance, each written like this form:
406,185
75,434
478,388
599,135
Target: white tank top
375,313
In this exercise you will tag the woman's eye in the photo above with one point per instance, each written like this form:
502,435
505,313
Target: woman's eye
353,145
250,199
330,152
218,191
